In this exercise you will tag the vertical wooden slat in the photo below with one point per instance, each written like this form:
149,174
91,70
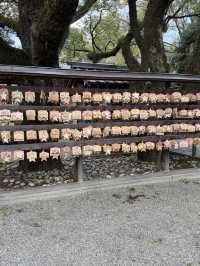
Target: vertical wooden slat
78,169
165,160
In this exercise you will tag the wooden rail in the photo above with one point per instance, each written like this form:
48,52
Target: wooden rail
102,107
104,124
17,71
95,141
96,67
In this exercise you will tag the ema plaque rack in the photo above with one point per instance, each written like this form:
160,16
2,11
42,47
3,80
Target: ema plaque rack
55,113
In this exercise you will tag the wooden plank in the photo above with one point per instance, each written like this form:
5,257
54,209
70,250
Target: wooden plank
72,90
99,66
18,71
194,151
101,107
97,86
78,169
165,160
104,124
102,141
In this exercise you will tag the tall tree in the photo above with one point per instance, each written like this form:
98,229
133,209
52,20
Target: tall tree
147,34
42,27
146,22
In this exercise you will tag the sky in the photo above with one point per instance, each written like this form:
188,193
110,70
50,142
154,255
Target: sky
171,36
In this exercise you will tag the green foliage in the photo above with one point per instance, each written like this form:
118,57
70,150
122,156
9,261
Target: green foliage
75,47
99,31
106,33
8,15
187,54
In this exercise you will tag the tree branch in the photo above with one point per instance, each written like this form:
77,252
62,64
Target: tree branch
184,16
108,43
92,32
168,18
79,50
125,42
82,11
97,56
134,25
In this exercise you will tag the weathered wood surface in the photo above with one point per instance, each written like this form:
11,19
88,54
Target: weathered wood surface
16,71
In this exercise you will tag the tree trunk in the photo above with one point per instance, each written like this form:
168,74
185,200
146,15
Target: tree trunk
43,27
153,55
194,67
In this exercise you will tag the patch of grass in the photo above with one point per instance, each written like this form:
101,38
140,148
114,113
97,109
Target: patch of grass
131,189
158,241
19,210
196,182
116,196
185,181
35,225
4,211
131,199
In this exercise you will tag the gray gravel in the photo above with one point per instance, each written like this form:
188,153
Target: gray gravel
149,225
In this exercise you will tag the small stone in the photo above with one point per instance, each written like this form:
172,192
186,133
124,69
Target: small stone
57,178
31,184
5,180
56,172
12,180
63,174
108,176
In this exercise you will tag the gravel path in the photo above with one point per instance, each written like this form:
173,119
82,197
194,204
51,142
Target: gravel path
147,225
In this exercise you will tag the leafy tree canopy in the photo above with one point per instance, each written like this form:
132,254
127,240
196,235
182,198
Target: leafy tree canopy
188,53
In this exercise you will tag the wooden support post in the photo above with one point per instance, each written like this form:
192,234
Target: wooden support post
165,160
194,150
158,160
78,169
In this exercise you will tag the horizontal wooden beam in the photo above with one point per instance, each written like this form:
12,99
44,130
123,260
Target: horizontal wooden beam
116,87
108,141
99,66
18,71
101,107
104,124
